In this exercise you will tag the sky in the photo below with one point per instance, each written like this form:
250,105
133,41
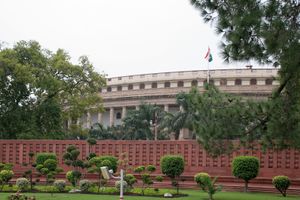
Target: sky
120,37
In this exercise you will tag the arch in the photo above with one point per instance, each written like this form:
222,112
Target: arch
238,81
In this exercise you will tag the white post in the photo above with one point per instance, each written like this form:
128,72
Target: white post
121,184
208,73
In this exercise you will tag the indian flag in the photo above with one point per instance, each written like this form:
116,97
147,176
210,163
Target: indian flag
208,55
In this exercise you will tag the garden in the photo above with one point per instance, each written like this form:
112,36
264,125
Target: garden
85,179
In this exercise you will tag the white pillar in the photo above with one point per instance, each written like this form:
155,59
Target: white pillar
137,107
99,117
88,120
123,112
111,116
166,107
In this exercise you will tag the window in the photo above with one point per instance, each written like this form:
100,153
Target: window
154,85
211,81
180,84
109,79
119,88
253,81
238,82
194,83
167,84
223,81
269,81
142,86
108,89
118,115
130,87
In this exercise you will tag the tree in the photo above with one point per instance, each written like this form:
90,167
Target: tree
207,184
70,158
6,174
246,168
268,32
137,123
145,173
40,89
281,183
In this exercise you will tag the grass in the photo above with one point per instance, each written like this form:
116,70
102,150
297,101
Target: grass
193,195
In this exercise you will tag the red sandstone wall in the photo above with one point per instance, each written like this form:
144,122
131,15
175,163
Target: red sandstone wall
149,152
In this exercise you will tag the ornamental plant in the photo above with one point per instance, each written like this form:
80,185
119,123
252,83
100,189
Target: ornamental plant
47,166
130,180
145,173
246,168
22,184
85,185
73,177
281,183
172,166
207,184
60,185
5,176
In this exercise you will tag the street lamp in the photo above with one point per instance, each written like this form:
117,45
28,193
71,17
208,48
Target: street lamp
108,174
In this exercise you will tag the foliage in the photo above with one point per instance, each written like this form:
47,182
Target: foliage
270,33
145,173
246,168
42,157
172,166
130,180
281,183
137,123
19,196
22,184
73,177
36,84
159,178
5,176
118,185
60,185
6,166
85,185
123,162
207,184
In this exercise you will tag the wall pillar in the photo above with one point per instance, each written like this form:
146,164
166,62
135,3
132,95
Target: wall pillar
111,116
166,108
123,112
100,117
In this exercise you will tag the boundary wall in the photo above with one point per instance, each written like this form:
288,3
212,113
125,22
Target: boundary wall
272,162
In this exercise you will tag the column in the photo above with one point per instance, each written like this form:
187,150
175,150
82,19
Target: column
166,108
78,121
69,123
137,107
123,112
88,120
99,117
111,116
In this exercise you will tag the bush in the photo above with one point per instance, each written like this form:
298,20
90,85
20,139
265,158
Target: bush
51,164
60,185
22,184
130,180
246,168
19,196
73,177
118,185
113,160
42,157
85,185
281,183
5,176
159,178
207,184
172,166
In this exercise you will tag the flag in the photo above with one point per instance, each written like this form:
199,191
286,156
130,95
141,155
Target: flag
208,55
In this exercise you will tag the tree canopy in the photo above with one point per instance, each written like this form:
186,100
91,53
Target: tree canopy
39,89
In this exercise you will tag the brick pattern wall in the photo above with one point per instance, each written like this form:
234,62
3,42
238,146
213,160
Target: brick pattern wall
149,152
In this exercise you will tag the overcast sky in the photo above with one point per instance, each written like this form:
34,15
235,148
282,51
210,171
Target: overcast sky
120,37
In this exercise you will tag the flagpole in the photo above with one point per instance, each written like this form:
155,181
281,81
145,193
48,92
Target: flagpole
208,72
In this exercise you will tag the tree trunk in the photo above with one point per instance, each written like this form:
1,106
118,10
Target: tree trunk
246,186
210,196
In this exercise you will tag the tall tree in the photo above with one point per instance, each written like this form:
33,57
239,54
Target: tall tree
39,89
268,32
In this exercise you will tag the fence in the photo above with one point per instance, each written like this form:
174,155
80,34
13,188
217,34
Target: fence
272,162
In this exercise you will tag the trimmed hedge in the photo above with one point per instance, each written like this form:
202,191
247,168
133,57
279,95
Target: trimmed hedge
281,183
42,157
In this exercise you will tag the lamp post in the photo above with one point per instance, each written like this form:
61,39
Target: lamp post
108,174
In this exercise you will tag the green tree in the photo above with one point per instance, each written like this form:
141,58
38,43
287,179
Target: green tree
137,123
40,89
267,32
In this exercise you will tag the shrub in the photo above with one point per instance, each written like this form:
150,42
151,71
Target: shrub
118,185
246,168
146,178
60,185
22,184
281,183
73,177
85,185
113,160
51,164
19,196
159,178
5,176
172,166
207,184
42,157
130,180
151,168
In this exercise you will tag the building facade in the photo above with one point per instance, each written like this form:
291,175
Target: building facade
124,93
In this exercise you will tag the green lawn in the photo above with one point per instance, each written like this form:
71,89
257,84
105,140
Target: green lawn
193,195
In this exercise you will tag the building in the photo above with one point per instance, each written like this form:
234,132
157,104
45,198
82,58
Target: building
127,92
